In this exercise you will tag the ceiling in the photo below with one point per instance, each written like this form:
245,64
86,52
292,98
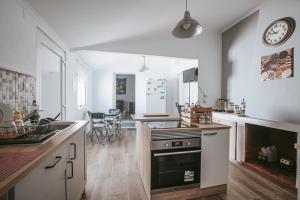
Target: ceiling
82,23
131,63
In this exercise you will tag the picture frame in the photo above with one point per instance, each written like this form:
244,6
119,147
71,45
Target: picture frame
277,66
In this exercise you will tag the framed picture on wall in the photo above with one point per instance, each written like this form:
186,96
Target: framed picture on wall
277,66
121,86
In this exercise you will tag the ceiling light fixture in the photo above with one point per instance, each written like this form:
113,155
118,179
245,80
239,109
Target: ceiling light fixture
187,27
144,67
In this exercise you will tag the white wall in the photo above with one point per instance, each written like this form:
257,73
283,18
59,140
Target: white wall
205,47
103,90
75,67
272,100
18,43
161,68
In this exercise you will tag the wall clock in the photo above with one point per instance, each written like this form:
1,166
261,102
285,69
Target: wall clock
279,31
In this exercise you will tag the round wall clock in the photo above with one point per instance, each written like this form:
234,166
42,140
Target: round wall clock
279,31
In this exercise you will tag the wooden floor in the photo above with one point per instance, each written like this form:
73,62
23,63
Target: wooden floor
112,175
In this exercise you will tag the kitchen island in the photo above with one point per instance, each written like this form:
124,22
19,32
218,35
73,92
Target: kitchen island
55,169
185,163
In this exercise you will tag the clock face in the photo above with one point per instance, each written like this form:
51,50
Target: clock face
279,32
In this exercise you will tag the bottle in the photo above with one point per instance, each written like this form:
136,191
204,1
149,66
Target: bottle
243,108
34,112
34,106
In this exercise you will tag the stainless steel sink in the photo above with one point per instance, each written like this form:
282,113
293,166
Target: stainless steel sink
60,126
42,136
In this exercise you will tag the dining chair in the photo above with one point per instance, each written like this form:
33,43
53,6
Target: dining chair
118,124
98,125
114,111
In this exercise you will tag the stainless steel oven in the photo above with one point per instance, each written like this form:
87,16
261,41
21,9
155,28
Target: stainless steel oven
175,159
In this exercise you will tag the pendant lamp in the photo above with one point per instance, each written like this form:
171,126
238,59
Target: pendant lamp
144,67
187,27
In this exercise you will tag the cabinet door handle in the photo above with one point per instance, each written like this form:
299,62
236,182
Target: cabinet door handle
209,134
72,170
75,151
57,159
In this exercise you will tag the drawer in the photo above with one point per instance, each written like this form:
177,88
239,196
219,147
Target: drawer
40,182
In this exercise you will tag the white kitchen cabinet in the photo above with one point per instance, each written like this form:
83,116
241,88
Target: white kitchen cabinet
76,165
18,38
241,142
232,136
45,182
214,158
62,176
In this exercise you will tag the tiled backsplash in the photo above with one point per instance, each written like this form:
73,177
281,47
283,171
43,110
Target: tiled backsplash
17,90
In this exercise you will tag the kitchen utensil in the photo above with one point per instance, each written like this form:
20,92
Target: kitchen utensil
8,130
45,124
230,107
202,119
287,163
33,116
272,154
17,116
237,109
208,119
221,105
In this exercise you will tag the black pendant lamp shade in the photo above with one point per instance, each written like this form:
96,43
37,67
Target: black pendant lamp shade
187,27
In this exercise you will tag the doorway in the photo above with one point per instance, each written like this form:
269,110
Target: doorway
125,94
51,77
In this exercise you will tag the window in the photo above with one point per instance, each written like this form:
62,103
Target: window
81,93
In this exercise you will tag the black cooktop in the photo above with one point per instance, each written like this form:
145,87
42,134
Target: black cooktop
163,125
171,131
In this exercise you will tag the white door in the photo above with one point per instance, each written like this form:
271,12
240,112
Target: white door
241,142
76,165
232,137
50,78
214,158
46,181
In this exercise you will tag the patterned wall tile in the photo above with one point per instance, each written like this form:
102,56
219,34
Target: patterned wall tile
17,90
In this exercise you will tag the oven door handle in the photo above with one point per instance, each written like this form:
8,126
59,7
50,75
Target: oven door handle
176,153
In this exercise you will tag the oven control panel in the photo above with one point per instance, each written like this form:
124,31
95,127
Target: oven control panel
173,144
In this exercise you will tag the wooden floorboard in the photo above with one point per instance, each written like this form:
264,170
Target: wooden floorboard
112,174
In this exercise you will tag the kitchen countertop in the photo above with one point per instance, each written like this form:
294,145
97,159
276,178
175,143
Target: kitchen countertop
293,127
173,125
154,117
18,160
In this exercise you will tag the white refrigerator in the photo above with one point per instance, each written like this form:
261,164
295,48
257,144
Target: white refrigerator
156,96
